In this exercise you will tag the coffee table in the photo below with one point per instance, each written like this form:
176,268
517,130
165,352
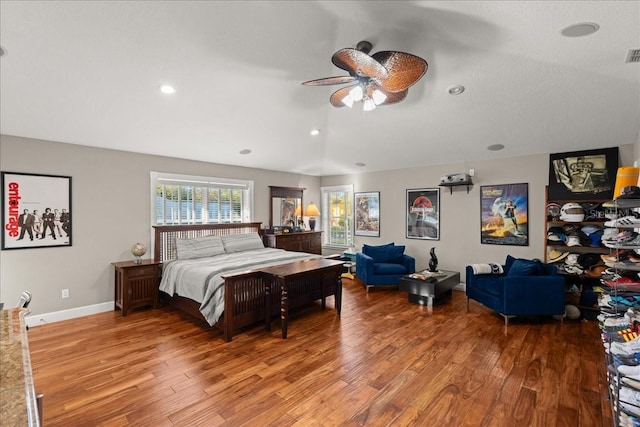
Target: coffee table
434,290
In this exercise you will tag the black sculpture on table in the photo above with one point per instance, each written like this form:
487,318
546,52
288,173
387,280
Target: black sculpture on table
433,262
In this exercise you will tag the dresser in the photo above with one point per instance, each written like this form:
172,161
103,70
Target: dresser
304,241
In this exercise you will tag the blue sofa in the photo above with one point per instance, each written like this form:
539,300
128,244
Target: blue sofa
383,265
524,288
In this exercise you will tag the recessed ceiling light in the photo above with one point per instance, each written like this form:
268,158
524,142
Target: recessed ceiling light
580,30
3,51
360,164
315,132
495,147
167,89
245,151
456,90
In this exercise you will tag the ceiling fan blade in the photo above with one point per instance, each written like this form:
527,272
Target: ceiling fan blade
337,96
404,69
358,63
392,97
330,81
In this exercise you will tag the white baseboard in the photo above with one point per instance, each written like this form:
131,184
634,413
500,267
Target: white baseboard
460,287
56,316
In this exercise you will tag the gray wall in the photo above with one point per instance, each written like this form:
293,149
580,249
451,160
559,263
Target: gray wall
111,211
459,242
111,205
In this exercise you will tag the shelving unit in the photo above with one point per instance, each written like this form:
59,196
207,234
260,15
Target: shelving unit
581,281
623,389
450,185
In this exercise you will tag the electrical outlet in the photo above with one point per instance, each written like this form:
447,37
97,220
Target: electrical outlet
65,293
472,172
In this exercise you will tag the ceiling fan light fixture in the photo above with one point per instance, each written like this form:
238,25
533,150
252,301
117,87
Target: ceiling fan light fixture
356,93
348,100
378,97
369,104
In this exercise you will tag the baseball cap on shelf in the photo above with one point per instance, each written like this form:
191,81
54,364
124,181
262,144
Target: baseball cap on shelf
589,229
596,270
573,240
630,192
556,234
572,259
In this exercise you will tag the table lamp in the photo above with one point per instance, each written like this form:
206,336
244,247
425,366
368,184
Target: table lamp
312,211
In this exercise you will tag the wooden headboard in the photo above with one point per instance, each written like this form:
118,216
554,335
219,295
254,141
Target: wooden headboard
166,235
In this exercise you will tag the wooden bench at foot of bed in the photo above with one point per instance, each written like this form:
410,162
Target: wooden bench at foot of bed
245,298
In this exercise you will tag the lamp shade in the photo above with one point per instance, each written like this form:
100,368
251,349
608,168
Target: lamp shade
312,210
298,210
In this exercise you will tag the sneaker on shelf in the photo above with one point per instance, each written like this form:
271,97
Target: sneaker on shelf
628,395
627,221
633,383
622,349
630,371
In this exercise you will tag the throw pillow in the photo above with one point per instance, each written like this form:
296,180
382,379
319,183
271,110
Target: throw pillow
242,242
508,263
199,247
378,253
395,254
523,267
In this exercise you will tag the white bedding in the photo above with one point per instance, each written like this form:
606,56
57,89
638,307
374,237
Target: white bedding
201,279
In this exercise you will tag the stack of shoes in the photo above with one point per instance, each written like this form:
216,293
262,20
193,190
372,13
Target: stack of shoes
621,338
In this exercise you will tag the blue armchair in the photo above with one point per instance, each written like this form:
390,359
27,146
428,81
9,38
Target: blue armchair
524,288
383,265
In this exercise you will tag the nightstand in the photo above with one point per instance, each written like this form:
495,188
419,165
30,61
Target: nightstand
136,285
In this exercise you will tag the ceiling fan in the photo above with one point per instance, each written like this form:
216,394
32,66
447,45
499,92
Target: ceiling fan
380,79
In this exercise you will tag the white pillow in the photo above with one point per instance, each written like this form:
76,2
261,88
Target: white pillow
199,247
241,242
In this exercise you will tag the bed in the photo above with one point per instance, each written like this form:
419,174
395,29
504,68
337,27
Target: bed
235,293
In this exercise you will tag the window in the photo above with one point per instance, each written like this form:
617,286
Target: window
185,199
337,215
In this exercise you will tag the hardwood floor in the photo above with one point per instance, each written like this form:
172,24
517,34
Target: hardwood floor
383,362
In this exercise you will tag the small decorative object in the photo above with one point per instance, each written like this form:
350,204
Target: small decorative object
138,250
433,262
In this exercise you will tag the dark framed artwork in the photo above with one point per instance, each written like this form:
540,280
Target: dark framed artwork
583,175
367,215
504,212
36,210
423,214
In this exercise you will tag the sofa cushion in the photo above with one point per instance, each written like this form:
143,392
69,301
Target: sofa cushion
382,253
523,267
385,268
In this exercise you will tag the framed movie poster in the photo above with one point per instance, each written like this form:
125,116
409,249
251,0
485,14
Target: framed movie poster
367,214
423,214
504,212
582,175
36,210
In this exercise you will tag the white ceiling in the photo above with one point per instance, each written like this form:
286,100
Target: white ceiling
87,72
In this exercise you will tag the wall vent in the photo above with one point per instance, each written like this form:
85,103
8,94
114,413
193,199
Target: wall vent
633,55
